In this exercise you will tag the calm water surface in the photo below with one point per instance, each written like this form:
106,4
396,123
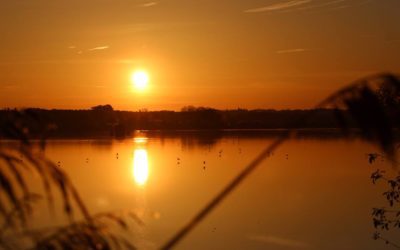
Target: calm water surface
312,193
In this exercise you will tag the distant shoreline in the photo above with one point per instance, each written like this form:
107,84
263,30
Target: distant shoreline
217,133
104,122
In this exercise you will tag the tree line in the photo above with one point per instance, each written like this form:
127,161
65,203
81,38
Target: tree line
105,121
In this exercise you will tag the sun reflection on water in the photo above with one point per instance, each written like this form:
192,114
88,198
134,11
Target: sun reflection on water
140,140
140,166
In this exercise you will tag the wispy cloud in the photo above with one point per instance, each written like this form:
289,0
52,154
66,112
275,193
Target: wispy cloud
156,26
149,4
279,6
72,47
75,61
321,5
291,51
99,48
274,240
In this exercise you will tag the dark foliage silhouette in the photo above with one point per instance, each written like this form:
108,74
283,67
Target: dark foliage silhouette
387,218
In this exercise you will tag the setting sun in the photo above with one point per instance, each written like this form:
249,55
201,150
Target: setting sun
140,79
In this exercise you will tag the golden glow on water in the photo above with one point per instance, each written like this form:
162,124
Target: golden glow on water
140,140
165,176
140,166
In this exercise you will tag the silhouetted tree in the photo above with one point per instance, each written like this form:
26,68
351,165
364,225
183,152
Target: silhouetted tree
103,108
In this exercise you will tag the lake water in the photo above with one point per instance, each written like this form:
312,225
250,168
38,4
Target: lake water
312,193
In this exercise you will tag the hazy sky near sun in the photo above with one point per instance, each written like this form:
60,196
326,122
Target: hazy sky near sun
223,54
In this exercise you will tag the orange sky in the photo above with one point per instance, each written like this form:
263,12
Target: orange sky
222,54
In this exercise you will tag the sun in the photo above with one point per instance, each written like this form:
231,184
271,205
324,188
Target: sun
140,79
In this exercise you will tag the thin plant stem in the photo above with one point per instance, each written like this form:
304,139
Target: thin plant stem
330,100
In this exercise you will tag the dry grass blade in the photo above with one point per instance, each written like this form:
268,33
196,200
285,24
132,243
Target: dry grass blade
225,192
136,218
374,109
358,100
117,219
7,188
17,175
24,206
15,208
35,161
93,234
